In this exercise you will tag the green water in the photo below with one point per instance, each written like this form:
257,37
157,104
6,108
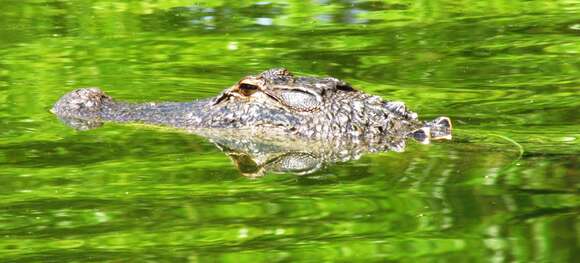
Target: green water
506,188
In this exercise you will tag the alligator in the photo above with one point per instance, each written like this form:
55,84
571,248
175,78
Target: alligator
273,110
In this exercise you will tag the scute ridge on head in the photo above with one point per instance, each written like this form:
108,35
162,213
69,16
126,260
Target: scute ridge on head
277,75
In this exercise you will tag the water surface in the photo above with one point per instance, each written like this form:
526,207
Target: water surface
506,188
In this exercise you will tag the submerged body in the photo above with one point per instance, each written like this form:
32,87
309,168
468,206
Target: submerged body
272,104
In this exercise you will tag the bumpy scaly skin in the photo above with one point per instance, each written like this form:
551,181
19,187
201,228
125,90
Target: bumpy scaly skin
273,103
272,122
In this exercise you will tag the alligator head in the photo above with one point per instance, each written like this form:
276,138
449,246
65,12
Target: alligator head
273,106
273,102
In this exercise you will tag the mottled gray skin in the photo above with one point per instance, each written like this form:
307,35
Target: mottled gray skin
272,122
272,104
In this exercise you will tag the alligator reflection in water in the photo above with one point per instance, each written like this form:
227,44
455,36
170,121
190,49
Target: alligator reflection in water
273,121
255,157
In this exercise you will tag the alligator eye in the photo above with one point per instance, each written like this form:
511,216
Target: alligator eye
247,89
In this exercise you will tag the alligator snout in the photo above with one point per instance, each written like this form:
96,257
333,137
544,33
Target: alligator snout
80,103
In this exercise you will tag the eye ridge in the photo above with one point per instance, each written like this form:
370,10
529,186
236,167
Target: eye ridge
280,98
